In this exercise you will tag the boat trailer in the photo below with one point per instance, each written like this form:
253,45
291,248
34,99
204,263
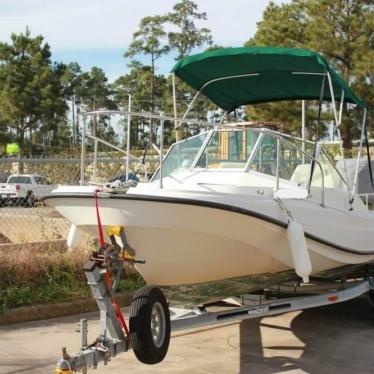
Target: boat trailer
150,323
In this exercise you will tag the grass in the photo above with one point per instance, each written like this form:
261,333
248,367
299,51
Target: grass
29,277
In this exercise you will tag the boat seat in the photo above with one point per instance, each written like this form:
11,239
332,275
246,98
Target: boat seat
302,171
300,174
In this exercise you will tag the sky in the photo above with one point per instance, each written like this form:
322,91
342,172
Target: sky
98,32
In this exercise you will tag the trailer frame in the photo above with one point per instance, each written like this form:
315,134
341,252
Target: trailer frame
113,340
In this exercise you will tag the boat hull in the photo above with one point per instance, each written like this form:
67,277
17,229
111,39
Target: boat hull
184,243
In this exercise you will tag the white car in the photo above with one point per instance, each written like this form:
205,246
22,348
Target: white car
25,188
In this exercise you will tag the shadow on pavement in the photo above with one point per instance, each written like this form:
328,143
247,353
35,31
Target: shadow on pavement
336,338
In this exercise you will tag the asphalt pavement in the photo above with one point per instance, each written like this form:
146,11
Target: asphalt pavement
333,339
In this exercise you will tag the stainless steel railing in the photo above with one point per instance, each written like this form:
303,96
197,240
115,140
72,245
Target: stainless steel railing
129,156
161,118
313,159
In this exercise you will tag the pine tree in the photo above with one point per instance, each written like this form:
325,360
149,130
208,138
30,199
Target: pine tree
31,96
342,31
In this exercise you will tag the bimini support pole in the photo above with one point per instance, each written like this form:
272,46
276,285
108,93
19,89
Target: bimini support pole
175,109
363,124
175,103
161,149
177,123
303,137
224,115
337,123
210,82
341,143
316,148
190,105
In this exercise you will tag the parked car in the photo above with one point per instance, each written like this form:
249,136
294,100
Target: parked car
25,189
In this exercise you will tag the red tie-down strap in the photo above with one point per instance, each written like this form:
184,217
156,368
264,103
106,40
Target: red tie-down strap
119,314
117,308
99,225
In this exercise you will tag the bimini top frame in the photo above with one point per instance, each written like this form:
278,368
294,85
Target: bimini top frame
231,77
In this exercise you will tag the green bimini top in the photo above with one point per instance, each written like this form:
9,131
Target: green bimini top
231,77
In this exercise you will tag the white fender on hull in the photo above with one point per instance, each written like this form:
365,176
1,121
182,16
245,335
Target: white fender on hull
299,250
75,237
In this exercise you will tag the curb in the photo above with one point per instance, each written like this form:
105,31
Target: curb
41,312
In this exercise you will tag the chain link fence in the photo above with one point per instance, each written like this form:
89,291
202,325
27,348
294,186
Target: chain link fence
24,220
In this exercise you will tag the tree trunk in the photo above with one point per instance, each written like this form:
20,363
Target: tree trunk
178,129
21,143
347,137
77,125
30,146
347,133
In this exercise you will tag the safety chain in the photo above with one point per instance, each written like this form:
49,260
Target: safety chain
284,208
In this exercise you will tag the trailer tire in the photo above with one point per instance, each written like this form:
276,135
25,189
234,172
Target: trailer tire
149,325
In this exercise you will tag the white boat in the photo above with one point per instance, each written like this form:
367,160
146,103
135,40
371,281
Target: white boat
237,208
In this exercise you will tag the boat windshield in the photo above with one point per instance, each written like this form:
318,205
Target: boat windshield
181,156
228,149
258,150
293,164
331,175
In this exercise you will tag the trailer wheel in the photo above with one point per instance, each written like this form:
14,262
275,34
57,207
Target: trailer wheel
150,325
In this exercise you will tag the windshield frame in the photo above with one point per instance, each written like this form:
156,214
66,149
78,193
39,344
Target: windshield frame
155,175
